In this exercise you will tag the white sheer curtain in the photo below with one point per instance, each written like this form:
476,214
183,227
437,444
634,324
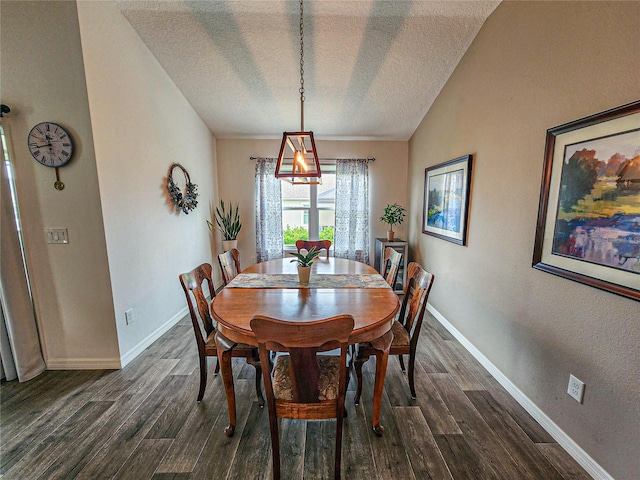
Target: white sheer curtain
269,235
351,238
20,351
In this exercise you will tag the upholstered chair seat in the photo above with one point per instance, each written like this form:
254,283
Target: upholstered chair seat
327,384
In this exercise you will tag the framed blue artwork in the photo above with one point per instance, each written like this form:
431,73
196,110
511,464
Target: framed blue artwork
447,187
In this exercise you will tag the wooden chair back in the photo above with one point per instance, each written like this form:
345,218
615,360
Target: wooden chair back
414,301
391,266
229,265
308,244
406,328
308,381
192,283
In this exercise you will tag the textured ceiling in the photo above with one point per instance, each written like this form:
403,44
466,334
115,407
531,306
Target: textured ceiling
372,69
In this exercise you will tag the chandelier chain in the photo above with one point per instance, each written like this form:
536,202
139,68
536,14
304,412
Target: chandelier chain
300,166
301,53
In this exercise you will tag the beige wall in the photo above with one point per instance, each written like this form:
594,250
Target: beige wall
129,123
141,125
387,180
43,80
532,66
535,65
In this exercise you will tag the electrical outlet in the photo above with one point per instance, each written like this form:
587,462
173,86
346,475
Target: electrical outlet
128,316
576,388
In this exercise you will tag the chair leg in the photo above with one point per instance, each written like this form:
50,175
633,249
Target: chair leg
352,355
345,387
271,358
412,386
275,442
338,454
259,386
358,363
404,370
256,364
203,377
217,370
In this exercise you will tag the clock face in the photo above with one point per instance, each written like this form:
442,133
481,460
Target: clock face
50,144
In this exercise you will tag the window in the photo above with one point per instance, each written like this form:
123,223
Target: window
308,211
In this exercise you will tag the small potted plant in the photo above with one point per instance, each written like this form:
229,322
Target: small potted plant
304,264
393,215
228,224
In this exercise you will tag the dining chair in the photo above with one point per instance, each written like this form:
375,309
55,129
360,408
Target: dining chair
391,266
229,265
192,283
390,269
319,244
406,327
304,385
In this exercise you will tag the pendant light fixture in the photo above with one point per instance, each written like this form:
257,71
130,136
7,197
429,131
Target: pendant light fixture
298,159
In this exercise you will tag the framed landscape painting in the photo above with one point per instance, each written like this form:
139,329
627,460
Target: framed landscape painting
588,227
446,200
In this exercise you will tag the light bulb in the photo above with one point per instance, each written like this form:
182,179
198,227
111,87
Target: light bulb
298,157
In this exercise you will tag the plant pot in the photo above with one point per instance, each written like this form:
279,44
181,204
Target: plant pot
229,245
303,275
390,234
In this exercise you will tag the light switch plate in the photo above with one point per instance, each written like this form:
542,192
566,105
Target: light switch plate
56,235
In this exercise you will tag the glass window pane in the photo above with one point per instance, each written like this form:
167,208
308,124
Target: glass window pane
300,214
326,206
296,200
292,226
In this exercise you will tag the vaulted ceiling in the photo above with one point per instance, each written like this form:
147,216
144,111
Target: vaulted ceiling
372,68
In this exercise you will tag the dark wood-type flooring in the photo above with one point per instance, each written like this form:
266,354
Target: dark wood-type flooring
143,422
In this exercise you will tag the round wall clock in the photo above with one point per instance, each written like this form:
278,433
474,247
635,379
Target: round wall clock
50,144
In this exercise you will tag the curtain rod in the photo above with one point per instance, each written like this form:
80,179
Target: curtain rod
325,159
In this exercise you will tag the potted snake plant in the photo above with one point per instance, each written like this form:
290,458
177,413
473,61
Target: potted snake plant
228,224
304,264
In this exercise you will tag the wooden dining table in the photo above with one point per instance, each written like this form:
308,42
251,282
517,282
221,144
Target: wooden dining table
337,286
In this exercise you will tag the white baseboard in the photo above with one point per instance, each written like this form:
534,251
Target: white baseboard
580,456
115,363
138,349
83,364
